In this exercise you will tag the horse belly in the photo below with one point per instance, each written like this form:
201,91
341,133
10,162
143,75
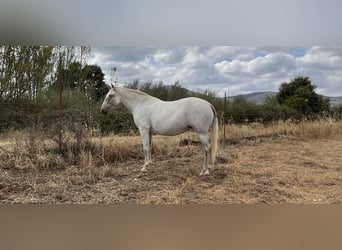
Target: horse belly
169,125
169,131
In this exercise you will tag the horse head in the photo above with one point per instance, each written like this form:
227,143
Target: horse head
112,99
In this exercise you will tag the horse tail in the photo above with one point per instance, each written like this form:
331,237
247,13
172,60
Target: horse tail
214,136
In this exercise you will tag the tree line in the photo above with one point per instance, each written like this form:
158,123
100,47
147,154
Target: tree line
29,83
30,78
30,72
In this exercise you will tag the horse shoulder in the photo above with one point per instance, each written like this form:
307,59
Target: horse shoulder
142,114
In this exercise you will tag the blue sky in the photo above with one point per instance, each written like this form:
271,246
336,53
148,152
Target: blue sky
236,69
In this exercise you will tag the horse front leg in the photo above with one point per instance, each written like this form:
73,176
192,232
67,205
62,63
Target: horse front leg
146,136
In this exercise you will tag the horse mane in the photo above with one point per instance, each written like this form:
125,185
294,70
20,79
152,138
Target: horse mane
138,92
135,91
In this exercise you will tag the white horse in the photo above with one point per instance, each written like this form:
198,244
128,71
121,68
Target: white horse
154,116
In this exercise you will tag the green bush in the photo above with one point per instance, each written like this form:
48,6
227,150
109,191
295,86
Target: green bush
118,120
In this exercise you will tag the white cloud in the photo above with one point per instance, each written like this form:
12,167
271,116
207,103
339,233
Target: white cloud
163,57
194,56
321,59
238,69
270,64
168,55
228,68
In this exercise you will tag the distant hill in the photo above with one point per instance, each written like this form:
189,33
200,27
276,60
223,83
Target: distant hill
260,98
255,97
335,101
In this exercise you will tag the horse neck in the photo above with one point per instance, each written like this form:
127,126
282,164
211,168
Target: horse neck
132,98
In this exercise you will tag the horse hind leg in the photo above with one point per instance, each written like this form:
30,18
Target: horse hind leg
207,153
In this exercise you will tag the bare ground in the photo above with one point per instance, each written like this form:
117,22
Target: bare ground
264,170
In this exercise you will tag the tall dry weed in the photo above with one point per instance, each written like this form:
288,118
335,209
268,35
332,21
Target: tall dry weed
327,128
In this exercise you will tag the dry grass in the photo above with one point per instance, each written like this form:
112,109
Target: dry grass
281,163
321,129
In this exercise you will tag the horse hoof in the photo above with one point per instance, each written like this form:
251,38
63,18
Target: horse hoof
204,172
143,169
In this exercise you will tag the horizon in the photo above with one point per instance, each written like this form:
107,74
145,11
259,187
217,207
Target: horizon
227,92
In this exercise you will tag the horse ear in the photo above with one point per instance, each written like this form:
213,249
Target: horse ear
112,85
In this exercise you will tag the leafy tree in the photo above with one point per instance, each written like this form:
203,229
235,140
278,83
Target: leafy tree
68,62
88,79
73,76
24,71
299,94
93,83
